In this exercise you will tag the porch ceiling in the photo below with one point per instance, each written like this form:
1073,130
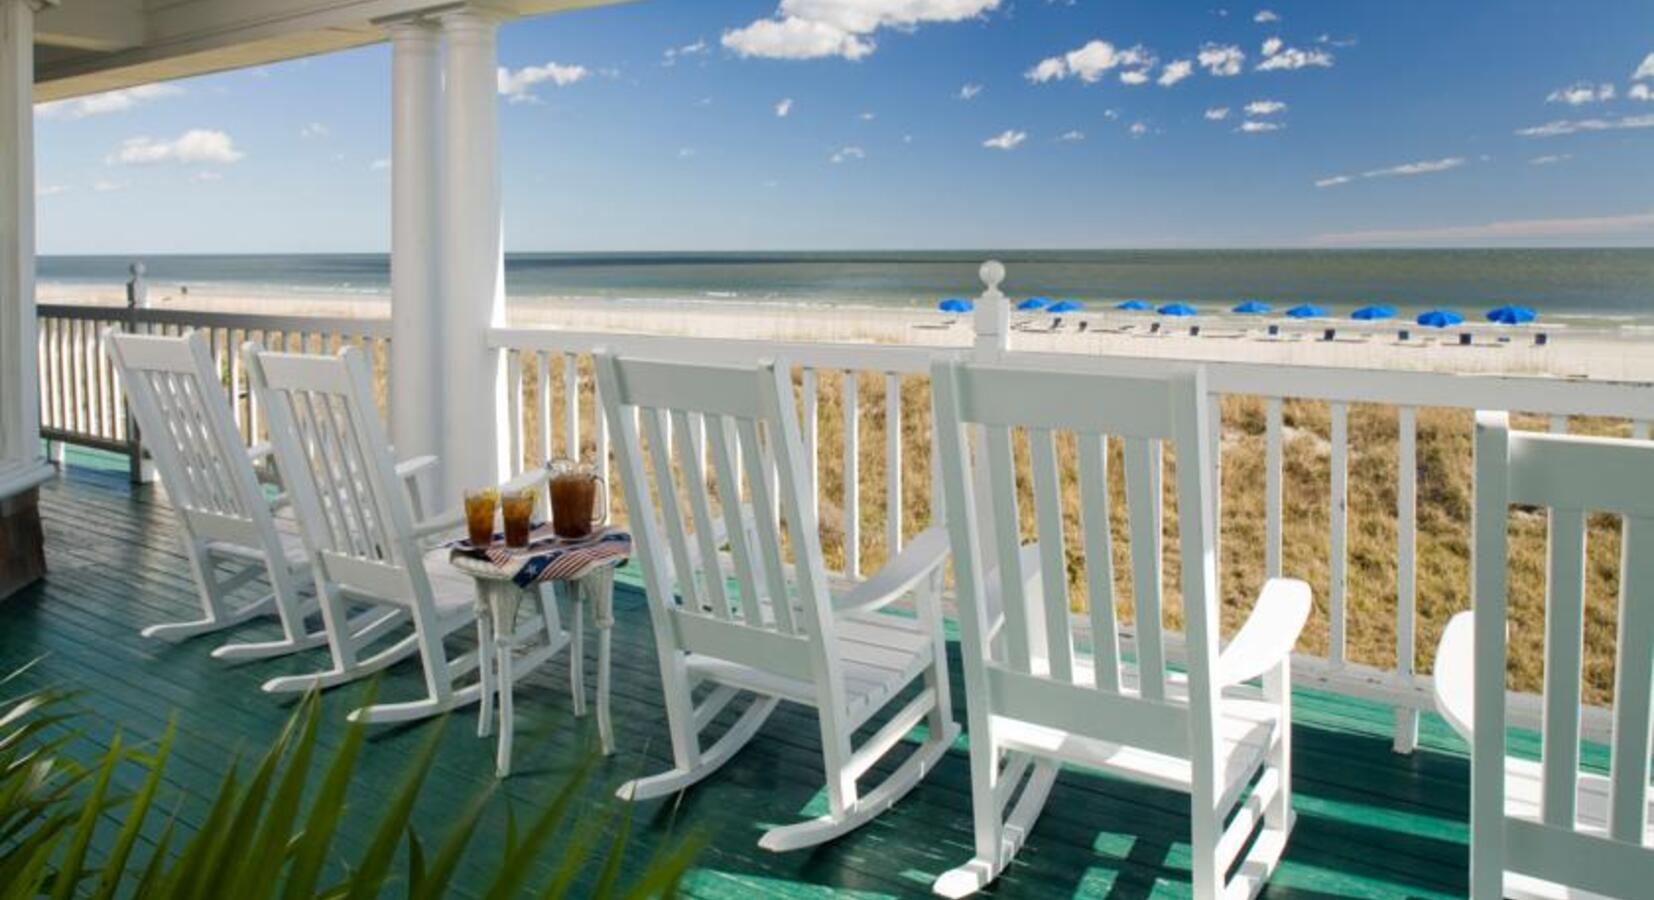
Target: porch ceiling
90,46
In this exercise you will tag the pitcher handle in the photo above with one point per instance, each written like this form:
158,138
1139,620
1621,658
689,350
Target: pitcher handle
602,516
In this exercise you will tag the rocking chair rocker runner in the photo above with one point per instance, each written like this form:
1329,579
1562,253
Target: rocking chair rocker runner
360,530
783,636
1033,699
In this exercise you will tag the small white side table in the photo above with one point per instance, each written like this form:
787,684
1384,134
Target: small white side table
504,654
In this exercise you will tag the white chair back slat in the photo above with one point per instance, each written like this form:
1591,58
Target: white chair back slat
656,425
1570,477
748,577
1007,519
690,459
1096,523
764,481
1059,649
1634,675
1142,460
1564,636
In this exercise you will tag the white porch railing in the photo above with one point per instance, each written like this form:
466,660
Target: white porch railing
851,393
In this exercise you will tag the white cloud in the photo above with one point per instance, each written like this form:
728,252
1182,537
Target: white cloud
1574,126
50,190
1175,71
1550,160
1581,93
1422,167
1265,107
685,152
1006,140
783,107
1639,91
1516,229
1646,70
969,91
844,154
198,145
382,164
206,175
1138,129
104,186
107,102
313,130
1092,61
1069,137
1272,46
813,29
670,57
1265,15
1222,60
1251,127
1217,113
867,116
1294,58
514,86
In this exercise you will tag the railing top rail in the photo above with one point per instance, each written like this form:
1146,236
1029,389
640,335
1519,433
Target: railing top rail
371,328
1527,393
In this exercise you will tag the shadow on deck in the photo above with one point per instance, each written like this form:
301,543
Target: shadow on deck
1371,823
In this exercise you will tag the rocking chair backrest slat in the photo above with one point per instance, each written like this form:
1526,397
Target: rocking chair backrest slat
681,544
1034,672
351,509
1570,477
182,409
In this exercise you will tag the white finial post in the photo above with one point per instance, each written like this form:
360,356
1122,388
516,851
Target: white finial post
993,312
137,289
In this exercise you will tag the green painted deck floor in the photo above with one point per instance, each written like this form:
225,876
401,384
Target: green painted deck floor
1371,823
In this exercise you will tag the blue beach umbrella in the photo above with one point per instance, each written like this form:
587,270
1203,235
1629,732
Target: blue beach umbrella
1252,307
1511,315
1065,306
1033,303
956,305
1440,318
1374,313
1307,311
1135,305
1178,309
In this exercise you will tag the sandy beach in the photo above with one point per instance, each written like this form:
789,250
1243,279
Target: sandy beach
1594,353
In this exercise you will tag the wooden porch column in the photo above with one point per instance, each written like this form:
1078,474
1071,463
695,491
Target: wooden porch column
473,275
22,467
416,412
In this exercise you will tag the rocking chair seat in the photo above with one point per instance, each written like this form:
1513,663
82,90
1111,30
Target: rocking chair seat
287,532
880,653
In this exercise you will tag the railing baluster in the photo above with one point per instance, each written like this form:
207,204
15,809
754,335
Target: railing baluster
514,397
1272,490
893,462
543,383
571,406
1639,430
852,479
1559,424
600,423
71,353
812,458
1337,580
1407,719
1215,417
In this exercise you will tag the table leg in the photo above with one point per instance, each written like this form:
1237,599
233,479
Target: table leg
605,731
505,644
577,646
485,667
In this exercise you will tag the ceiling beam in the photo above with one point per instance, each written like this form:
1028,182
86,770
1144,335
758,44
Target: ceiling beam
100,25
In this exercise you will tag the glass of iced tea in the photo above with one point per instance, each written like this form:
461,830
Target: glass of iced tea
518,507
480,504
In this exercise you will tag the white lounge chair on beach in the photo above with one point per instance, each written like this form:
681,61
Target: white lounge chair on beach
1546,828
1035,700
229,525
360,528
783,636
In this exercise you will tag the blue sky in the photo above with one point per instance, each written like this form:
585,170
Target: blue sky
910,124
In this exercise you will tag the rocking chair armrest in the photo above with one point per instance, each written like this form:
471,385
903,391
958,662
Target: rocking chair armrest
1269,634
922,556
408,468
260,451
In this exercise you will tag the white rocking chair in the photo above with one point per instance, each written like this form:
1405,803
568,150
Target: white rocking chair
783,636
1547,829
230,531
1034,699
368,549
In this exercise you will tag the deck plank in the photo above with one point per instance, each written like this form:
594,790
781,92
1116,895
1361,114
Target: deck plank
1371,823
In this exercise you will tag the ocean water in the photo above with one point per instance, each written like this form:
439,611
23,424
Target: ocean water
1598,287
